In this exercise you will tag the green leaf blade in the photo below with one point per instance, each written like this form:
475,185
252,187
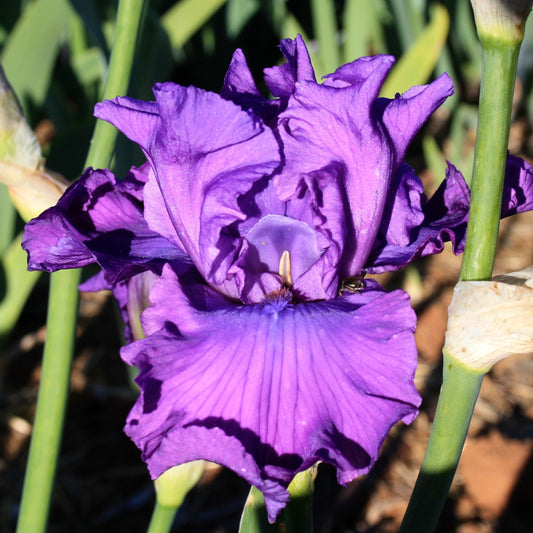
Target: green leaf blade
417,64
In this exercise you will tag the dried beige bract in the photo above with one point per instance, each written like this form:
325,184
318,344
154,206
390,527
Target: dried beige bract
31,187
501,19
490,320
32,191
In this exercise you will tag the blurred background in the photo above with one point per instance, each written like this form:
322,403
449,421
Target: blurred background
55,54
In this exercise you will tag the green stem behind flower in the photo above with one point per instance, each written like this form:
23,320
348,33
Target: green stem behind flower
457,398
461,384
495,103
63,305
162,518
127,32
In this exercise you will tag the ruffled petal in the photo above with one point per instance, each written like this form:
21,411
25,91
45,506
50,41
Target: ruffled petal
281,80
342,123
445,219
239,83
405,115
202,171
357,72
445,216
134,118
518,188
403,210
98,220
239,87
291,385
51,245
335,128
156,214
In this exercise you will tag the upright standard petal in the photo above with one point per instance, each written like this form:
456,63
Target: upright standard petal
337,132
281,80
134,118
405,115
357,72
202,172
239,87
343,123
292,385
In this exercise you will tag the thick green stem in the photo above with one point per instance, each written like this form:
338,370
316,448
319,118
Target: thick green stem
461,384
458,396
127,30
63,305
495,102
53,393
162,518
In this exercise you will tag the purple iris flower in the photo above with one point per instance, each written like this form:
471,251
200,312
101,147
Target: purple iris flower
248,230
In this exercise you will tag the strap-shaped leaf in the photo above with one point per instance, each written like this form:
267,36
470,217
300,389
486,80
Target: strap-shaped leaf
30,51
185,18
417,64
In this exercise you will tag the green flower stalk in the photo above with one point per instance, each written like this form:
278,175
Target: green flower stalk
63,305
500,25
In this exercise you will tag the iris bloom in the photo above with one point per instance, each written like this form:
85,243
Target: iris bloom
248,231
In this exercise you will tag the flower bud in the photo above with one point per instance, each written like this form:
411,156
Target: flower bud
32,191
501,19
490,320
173,485
31,188
18,143
303,483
